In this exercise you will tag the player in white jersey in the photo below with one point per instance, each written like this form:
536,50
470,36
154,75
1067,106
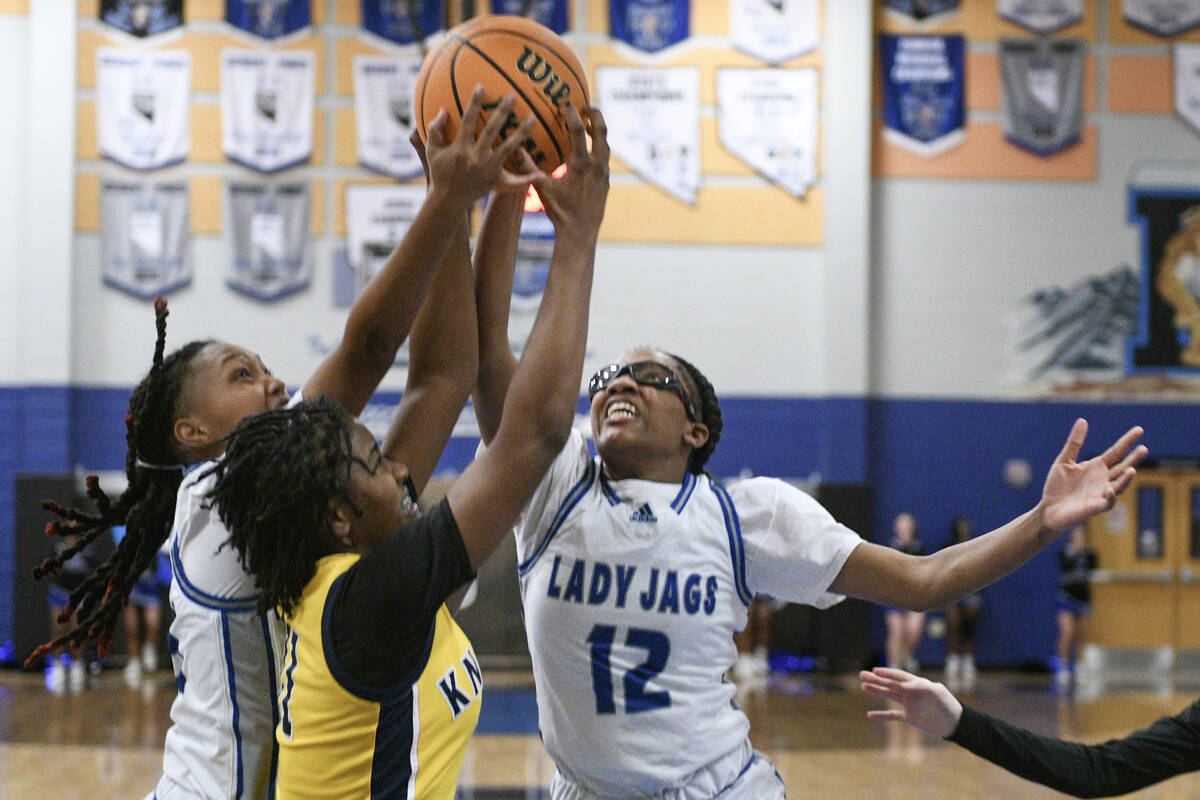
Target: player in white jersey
225,651
637,568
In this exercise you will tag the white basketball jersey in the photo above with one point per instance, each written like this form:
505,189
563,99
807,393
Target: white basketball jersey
221,743
384,88
632,593
267,107
142,104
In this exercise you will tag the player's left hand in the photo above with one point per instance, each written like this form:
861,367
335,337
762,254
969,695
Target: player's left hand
1075,491
923,703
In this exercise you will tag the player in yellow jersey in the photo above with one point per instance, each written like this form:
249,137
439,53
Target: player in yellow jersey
380,690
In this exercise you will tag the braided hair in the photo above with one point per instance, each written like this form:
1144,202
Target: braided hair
153,467
272,492
709,410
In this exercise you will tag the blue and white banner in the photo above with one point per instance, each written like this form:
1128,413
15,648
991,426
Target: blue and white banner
653,118
1164,203
1042,82
775,30
142,106
925,12
384,88
142,18
377,217
649,25
268,230
923,104
268,19
551,13
1041,16
1163,18
403,21
144,236
768,118
267,99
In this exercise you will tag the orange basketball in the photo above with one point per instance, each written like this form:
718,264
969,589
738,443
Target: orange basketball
507,54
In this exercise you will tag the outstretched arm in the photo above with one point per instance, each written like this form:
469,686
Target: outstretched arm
1171,746
495,259
461,172
539,407
1072,493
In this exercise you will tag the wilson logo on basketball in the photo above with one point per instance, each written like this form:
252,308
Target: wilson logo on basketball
540,72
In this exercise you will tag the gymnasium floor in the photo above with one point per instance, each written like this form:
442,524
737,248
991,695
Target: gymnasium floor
105,741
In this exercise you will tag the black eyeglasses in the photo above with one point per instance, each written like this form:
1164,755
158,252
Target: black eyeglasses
646,373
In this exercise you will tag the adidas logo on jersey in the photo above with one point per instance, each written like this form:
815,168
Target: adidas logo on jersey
643,514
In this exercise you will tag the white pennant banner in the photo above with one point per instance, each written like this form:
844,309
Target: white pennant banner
768,118
653,118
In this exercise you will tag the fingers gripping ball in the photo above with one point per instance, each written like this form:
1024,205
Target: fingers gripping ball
507,54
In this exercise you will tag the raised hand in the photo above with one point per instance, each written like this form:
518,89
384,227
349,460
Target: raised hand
575,202
1075,491
470,166
923,703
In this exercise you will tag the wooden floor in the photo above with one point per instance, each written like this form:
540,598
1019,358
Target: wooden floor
105,741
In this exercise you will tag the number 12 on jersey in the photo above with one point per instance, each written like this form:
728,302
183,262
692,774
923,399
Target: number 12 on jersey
658,649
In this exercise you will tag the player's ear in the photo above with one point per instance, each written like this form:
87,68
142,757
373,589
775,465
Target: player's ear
695,435
191,432
340,515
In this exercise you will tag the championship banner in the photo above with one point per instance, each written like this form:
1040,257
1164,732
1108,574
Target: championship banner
1043,93
403,21
653,118
142,18
1163,18
377,217
144,236
1041,16
384,88
268,19
649,25
775,30
1164,202
267,107
768,118
267,226
923,104
1187,82
925,12
551,13
142,106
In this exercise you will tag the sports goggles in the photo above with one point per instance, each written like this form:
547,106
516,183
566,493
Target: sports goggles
645,373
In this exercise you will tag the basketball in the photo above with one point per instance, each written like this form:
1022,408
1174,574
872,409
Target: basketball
507,54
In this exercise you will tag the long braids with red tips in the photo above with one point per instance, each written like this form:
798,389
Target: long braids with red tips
154,469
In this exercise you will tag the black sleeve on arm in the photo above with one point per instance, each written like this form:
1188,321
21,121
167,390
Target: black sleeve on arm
1171,746
384,611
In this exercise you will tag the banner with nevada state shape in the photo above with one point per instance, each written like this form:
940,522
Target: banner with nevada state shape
403,21
267,99
653,118
649,25
1041,16
551,13
1042,82
144,236
1186,57
268,19
384,89
775,30
268,232
1163,18
768,118
923,106
142,18
143,103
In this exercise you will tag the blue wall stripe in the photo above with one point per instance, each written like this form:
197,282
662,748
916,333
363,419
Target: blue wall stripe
935,458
